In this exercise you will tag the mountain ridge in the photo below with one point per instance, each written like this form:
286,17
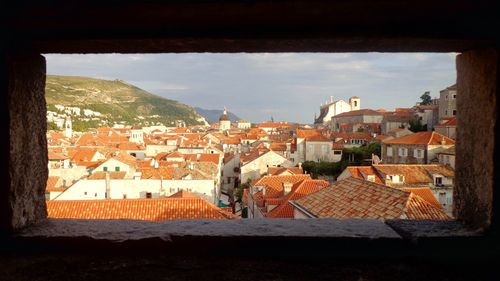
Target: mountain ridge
113,102
212,115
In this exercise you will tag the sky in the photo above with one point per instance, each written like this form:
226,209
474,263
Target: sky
260,86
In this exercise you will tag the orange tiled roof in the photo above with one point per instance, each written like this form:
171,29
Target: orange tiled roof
358,112
203,157
231,140
276,171
317,138
272,125
428,138
130,146
254,154
303,188
102,175
356,198
56,156
158,209
274,184
166,173
52,184
426,194
83,155
451,122
304,133
278,146
362,172
414,174
183,194
126,158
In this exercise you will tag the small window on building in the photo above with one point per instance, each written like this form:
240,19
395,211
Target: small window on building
85,193
337,152
438,181
105,169
389,151
124,196
117,169
454,112
454,96
95,194
403,151
418,153
442,198
149,195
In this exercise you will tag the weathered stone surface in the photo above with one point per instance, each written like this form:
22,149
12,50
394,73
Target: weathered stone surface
121,230
28,144
477,115
427,228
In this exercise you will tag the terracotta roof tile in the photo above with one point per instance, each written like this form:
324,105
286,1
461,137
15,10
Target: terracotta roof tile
203,157
414,174
428,138
52,184
426,194
358,112
356,198
276,171
102,175
274,184
159,209
183,194
303,188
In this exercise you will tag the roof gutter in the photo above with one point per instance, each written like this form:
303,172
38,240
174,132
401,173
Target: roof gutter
303,210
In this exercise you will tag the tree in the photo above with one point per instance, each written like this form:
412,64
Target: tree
416,126
426,98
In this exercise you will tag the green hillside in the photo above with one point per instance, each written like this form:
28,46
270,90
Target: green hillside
116,100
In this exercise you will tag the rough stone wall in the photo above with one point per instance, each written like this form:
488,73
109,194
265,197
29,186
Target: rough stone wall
476,89
28,144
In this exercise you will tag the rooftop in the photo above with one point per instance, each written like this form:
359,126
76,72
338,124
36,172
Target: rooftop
356,198
159,209
428,138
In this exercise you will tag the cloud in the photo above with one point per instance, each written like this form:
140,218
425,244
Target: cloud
288,86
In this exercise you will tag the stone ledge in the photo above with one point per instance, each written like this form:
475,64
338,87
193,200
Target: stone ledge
121,230
276,238
413,229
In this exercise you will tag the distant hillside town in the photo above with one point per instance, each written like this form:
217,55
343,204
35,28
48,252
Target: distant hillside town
353,162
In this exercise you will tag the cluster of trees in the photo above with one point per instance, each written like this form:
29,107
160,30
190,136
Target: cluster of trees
350,156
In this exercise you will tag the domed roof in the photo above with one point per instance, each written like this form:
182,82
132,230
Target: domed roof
224,116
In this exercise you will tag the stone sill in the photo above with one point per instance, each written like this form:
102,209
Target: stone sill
261,237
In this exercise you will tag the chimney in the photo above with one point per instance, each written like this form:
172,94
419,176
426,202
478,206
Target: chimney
288,146
108,186
157,163
198,156
300,165
443,142
287,187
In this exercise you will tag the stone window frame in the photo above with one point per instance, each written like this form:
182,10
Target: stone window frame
368,34
486,112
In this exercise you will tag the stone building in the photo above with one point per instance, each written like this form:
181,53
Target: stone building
328,110
448,102
417,148
224,121
356,121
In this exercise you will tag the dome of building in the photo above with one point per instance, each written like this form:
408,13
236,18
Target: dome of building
224,116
